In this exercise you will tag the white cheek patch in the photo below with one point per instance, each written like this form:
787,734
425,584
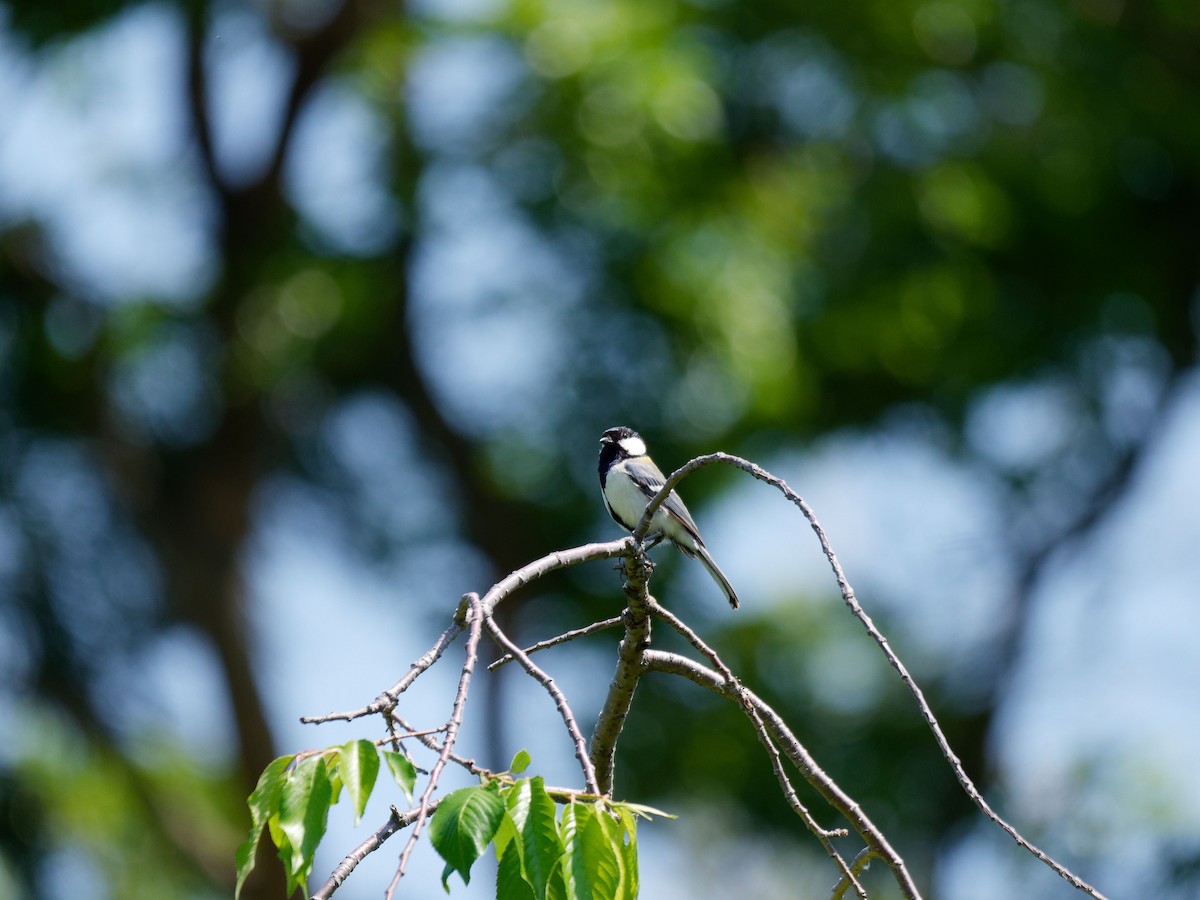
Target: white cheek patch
634,446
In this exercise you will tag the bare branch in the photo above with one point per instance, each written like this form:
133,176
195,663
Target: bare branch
824,835
857,867
692,638
785,784
427,739
630,667
395,822
789,792
673,663
475,622
559,559
387,700
859,613
560,701
560,639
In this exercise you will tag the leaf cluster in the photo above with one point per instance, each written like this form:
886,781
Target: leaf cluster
294,793
589,852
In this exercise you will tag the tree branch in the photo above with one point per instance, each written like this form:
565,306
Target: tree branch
560,639
387,700
823,835
630,666
560,701
395,822
673,663
859,613
559,559
475,619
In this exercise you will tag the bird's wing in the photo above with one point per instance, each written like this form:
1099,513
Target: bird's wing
651,480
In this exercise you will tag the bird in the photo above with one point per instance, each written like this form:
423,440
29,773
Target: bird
629,479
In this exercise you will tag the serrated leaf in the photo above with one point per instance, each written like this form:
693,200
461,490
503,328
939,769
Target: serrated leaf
516,810
517,802
520,762
462,827
283,850
510,877
629,850
263,803
505,834
403,771
303,814
359,767
542,847
619,839
557,888
592,870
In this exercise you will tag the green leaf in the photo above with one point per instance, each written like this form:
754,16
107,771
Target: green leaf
359,768
643,811
263,803
403,771
623,844
542,846
557,888
517,802
303,815
463,825
505,834
510,878
333,765
628,819
592,869
520,762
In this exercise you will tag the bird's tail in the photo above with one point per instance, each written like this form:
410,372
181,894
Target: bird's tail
717,575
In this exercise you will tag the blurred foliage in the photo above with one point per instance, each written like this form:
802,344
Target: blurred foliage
731,224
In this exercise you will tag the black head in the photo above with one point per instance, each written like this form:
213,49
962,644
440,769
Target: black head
619,443
618,434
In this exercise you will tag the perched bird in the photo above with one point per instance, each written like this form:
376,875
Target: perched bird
629,479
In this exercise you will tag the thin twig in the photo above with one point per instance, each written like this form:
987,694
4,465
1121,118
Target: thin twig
427,739
857,867
560,700
673,663
560,639
387,700
390,722
859,613
398,736
475,619
395,822
824,835
692,638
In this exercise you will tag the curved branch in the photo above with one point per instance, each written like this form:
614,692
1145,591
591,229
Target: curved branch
395,822
674,664
824,835
560,701
387,700
859,613
559,559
